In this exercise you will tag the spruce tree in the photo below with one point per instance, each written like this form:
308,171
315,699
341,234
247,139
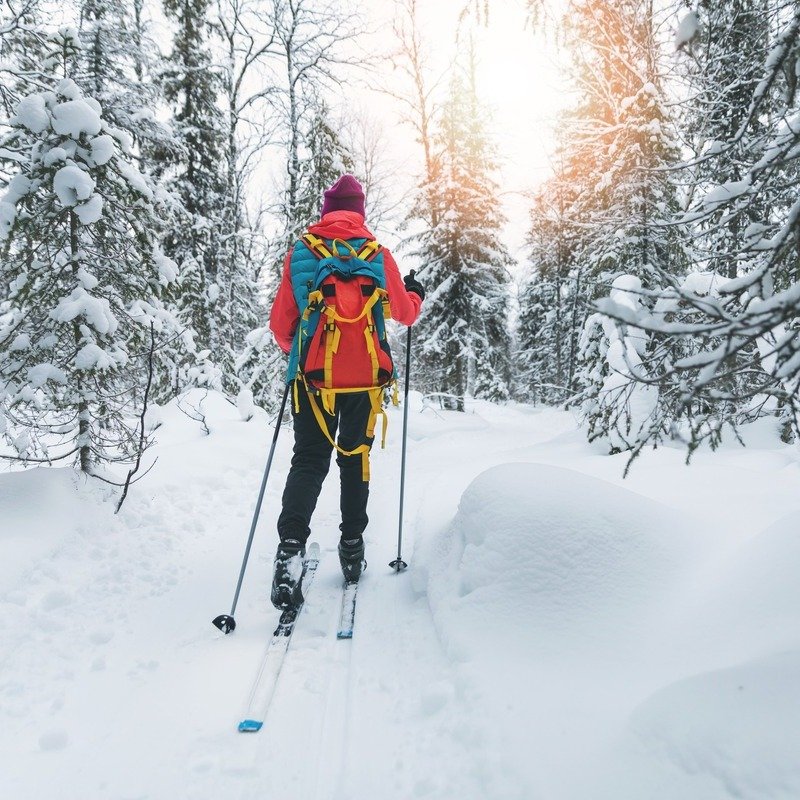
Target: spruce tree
620,142
724,349
462,334
84,277
552,299
194,169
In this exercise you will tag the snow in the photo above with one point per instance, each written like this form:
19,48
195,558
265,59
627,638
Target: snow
71,184
522,548
167,268
54,155
92,356
94,310
31,113
687,30
137,181
18,187
244,404
91,211
21,342
727,191
41,373
87,280
560,633
102,149
75,117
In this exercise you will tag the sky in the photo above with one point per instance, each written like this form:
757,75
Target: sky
520,80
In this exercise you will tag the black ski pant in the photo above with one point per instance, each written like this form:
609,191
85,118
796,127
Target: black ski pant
311,462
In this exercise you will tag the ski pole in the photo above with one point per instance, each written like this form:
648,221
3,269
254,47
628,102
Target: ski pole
225,622
398,564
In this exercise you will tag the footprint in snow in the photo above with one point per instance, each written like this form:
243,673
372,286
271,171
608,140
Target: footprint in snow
58,598
101,636
56,739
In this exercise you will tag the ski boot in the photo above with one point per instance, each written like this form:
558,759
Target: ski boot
286,574
351,557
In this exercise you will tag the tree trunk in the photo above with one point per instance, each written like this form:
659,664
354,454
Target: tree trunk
84,428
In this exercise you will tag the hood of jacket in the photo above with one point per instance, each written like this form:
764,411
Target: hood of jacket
341,225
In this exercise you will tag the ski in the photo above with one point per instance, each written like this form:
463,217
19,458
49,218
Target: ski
348,615
267,679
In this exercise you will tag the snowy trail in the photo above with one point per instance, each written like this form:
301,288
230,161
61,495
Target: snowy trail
114,685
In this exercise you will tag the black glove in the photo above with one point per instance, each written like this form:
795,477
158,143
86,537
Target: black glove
413,285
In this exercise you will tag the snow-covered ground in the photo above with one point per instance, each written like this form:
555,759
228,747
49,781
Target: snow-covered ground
561,634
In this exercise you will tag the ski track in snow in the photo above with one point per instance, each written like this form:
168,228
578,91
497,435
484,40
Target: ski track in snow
115,686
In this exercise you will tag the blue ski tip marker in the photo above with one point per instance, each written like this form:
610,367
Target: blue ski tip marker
250,725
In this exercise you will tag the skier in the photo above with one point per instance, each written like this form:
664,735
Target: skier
317,415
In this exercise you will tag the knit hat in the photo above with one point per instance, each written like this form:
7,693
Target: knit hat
345,195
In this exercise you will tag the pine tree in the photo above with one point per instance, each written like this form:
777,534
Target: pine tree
327,159
552,300
84,275
117,54
620,142
735,337
463,333
23,47
194,170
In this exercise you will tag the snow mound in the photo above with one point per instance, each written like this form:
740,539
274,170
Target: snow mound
738,726
753,603
26,538
551,554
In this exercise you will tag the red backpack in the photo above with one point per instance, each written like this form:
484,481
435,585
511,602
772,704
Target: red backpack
341,343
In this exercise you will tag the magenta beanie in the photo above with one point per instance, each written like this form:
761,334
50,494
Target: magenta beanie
345,195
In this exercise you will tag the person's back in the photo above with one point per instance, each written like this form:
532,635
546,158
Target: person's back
328,316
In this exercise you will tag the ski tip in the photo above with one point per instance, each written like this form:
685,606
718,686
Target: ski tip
344,635
250,726
312,554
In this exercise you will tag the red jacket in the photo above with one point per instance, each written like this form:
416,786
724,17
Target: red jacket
285,314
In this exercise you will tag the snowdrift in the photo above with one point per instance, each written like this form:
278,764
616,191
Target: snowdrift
551,557
733,731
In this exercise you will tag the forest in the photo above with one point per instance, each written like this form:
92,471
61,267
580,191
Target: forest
140,244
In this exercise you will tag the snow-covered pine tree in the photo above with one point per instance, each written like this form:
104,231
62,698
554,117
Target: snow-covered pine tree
23,46
327,158
462,340
619,142
193,168
552,299
740,333
726,45
82,276
116,51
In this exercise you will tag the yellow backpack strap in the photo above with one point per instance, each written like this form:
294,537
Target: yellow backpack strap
316,245
332,336
369,250
362,449
369,340
376,401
